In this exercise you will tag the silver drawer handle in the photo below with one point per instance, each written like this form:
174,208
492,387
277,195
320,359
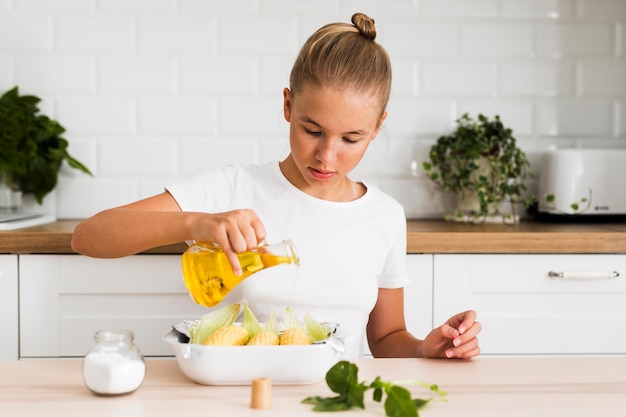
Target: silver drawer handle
584,274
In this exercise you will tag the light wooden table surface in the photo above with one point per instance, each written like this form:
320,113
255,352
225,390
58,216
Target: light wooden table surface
484,386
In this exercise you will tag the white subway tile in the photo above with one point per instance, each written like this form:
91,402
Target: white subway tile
181,115
6,73
606,9
140,6
458,8
96,115
420,199
23,34
81,198
410,117
540,9
515,114
55,73
94,34
59,6
131,74
199,155
274,149
260,36
536,78
575,39
136,157
497,39
620,50
220,6
405,78
149,187
620,110
289,6
259,117
177,34
386,157
274,74
454,78
602,78
223,74
420,39
593,118
380,11
85,149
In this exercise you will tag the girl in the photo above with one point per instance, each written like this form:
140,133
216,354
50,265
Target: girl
351,237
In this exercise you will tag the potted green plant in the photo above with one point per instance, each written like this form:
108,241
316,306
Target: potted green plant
32,150
481,163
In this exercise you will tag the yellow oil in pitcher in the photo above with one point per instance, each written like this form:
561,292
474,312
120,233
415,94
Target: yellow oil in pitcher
209,276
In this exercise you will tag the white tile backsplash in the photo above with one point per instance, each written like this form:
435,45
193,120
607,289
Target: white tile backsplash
536,78
458,77
56,74
131,74
172,116
23,34
94,34
153,91
563,40
492,39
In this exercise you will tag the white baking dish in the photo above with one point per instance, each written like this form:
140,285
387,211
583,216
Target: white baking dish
239,365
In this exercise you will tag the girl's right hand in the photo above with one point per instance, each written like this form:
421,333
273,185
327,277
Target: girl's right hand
235,231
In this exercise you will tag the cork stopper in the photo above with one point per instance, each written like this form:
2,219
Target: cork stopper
261,394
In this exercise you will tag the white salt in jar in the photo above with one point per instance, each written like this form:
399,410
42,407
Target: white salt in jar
114,366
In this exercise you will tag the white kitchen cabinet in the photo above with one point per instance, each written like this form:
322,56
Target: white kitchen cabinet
8,307
418,295
65,299
525,311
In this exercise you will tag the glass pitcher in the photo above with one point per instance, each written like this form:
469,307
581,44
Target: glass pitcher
209,276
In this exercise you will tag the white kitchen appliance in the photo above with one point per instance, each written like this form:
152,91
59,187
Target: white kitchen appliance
584,182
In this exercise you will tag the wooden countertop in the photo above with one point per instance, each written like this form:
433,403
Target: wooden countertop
423,236
484,386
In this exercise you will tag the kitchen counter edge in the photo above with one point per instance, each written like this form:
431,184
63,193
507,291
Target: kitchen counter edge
423,236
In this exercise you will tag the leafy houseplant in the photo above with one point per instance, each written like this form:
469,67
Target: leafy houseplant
31,146
481,163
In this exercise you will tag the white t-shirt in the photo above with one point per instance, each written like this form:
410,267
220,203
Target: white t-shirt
347,250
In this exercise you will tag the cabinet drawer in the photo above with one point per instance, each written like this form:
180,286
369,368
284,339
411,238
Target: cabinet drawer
526,311
65,299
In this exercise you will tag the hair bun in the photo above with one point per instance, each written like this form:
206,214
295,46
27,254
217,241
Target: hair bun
365,25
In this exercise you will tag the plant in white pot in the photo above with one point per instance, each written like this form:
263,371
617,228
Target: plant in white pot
481,163
31,151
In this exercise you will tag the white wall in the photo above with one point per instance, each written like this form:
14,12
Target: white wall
152,91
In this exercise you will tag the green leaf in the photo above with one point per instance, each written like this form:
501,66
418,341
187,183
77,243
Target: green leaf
342,379
399,403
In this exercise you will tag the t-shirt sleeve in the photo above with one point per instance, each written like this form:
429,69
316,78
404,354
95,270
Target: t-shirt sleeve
395,274
209,191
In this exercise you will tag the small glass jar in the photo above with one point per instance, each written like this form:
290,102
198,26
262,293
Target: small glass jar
114,366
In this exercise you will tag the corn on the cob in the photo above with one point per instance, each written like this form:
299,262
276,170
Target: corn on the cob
212,321
264,338
228,336
295,336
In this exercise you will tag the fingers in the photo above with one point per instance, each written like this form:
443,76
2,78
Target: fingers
235,231
462,321
465,345
459,335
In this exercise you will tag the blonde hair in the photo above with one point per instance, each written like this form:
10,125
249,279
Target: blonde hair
342,55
